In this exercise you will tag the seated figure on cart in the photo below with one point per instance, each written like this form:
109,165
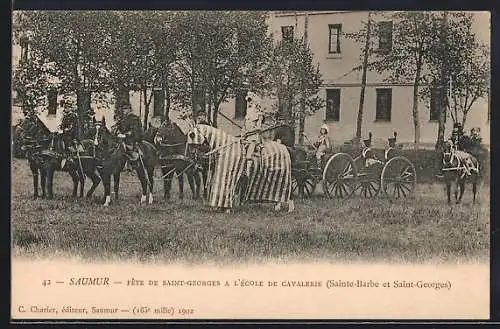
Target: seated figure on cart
322,144
251,130
367,152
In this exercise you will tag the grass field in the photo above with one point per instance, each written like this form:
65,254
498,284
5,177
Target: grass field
423,230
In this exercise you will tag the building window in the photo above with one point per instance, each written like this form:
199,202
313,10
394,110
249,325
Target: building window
240,105
384,104
158,102
334,38
385,37
52,100
287,33
332,105
436,103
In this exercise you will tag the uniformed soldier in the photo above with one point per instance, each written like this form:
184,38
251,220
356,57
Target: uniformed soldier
251,130
456,137
129,128
69,131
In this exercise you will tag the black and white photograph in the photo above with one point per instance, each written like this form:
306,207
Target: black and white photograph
271,150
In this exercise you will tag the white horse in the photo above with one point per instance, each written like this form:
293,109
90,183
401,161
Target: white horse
269,181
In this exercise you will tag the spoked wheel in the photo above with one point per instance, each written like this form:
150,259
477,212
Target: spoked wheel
295,183
368,182
303,183
339,176
399,178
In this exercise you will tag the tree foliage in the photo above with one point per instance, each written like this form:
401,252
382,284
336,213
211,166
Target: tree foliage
217,52
466,61
427,49
293,78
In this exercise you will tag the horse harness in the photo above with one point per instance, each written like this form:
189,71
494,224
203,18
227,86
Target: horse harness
465,165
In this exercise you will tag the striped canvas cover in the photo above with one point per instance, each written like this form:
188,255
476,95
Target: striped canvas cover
270,181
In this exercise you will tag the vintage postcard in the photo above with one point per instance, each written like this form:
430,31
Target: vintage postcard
250,165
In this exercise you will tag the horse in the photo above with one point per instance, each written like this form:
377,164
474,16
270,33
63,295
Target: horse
270,180
34,137
112,158
79,166
39,144
459,167
174,159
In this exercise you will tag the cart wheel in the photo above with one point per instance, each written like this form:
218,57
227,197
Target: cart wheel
368,182
303,183
295,184
339,176
399,178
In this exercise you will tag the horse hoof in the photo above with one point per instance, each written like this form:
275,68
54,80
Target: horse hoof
228,211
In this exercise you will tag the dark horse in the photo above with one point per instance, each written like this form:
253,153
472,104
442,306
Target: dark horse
39,143
455,164
34,137
176,158
78,165
110,151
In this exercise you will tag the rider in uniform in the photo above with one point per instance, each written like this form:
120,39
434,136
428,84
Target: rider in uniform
322,144
69,131
251,132
129,128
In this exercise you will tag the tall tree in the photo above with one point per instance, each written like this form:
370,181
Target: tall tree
463,66
404,39
302,115
217,51
366,54
294,80
76,44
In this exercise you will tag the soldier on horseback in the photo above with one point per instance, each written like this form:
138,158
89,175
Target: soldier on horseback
69,131
251,130
129,129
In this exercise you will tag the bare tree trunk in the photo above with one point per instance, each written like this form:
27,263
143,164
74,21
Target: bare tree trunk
442,112
366,52
215,113
83,98
416,119
302,118
166,90
147,102
122,95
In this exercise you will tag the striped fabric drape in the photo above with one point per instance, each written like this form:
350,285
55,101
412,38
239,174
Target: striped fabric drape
270,181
